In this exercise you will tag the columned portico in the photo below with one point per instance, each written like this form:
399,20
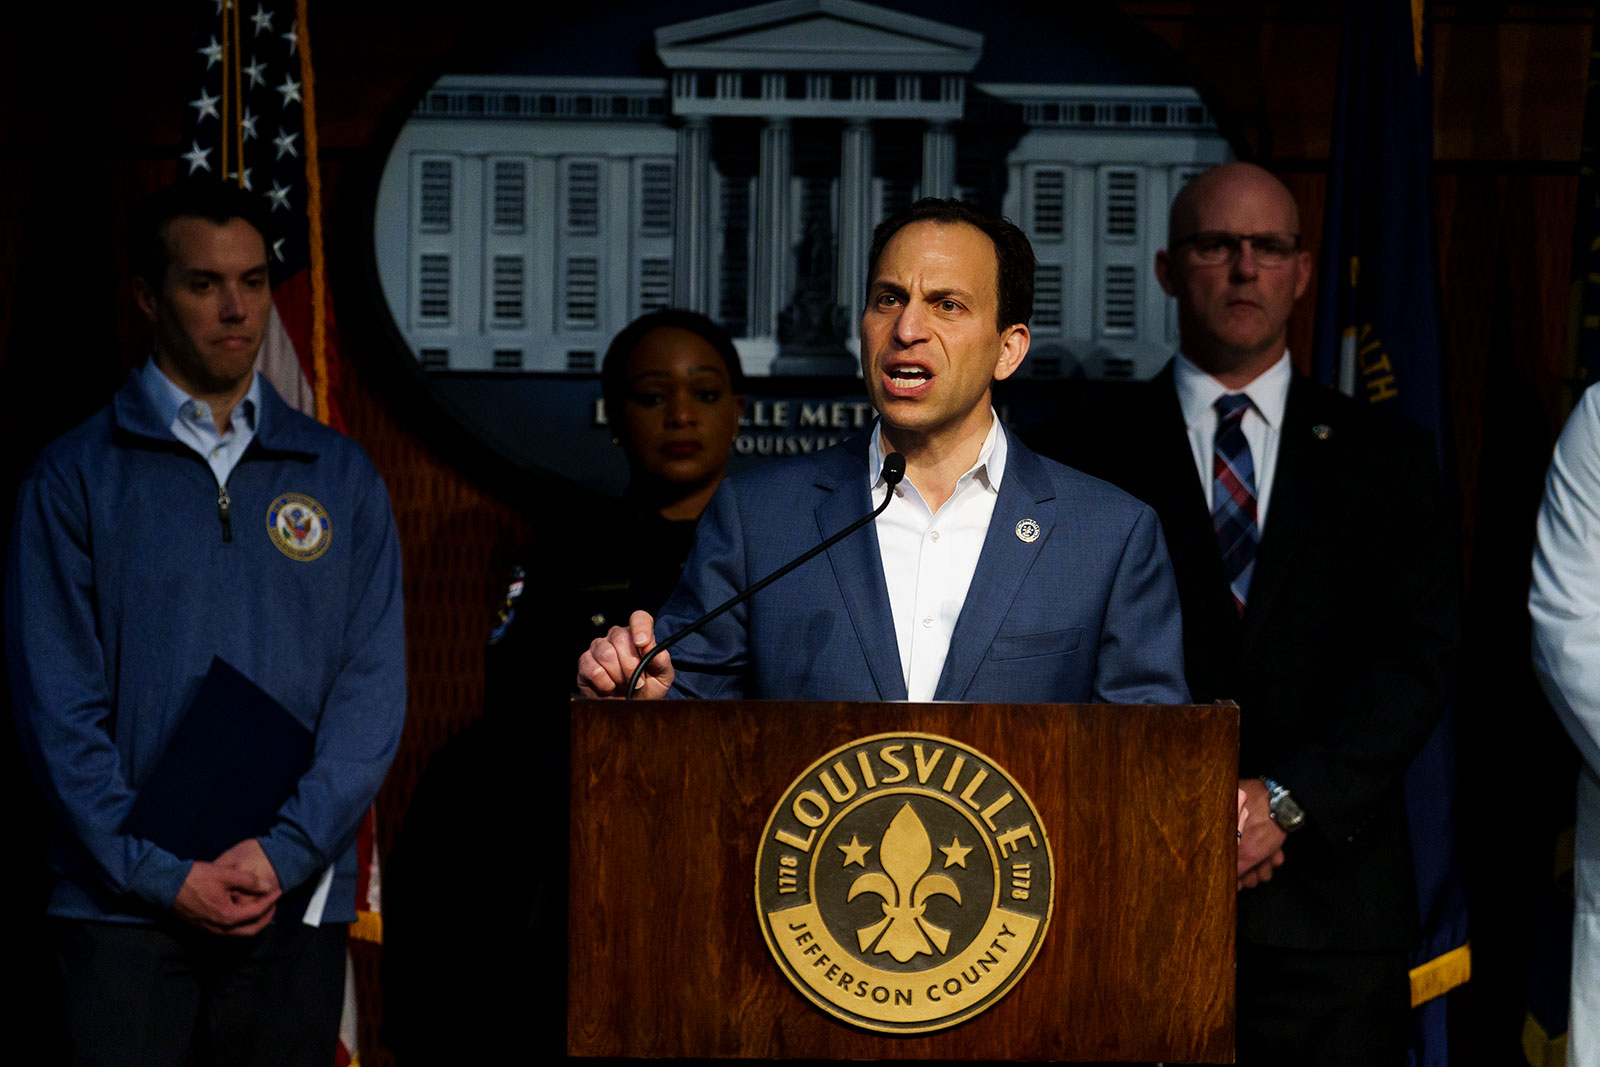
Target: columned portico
772,273
691,283
835,61
857,214
938,160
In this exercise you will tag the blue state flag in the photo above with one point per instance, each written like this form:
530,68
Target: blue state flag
1377,338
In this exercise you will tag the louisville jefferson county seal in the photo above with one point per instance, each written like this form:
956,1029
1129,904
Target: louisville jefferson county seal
904,882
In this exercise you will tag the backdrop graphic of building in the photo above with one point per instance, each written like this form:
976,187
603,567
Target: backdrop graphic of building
523,220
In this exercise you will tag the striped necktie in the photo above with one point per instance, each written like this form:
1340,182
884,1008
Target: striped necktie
1233,496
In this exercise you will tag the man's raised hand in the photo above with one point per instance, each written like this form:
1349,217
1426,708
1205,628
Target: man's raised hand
604,670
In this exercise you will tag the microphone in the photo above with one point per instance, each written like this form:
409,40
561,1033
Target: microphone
894,469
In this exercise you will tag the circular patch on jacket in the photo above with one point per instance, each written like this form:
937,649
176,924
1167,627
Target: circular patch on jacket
299,526
904,883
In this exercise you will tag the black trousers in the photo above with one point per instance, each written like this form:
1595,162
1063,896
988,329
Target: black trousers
1334,1008
145,996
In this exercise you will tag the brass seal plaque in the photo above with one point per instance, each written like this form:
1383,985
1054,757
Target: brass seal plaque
904,882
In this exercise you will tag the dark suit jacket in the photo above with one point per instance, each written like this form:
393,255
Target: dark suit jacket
1086,611
1341,664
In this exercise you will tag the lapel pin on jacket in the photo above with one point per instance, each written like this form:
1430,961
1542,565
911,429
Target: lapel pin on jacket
1322,431
1027,531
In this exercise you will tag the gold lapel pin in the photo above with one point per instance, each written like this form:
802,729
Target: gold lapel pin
1322,431
1027,531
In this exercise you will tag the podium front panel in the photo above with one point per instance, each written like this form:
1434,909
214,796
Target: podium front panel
670,801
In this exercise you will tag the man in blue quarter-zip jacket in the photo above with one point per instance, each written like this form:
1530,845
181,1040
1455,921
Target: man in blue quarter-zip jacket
196,547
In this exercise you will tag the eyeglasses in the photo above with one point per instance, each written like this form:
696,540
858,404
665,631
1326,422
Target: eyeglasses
1213,248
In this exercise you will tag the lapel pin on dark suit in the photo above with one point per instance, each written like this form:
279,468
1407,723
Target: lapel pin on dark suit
1322,431
1027,531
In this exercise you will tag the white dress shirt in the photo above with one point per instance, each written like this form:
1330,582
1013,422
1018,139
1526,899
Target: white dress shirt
1263,422
929,558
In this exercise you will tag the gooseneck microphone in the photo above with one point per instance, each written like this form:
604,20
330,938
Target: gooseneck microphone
894,469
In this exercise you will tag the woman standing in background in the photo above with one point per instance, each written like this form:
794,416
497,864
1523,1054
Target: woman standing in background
475,891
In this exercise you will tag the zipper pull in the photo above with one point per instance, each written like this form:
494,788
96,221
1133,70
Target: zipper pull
223,504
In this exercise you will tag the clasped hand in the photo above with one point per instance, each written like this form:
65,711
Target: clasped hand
236,894
1260,839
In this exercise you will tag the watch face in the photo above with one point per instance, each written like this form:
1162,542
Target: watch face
1286,813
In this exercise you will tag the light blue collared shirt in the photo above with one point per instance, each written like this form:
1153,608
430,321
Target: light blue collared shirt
192,423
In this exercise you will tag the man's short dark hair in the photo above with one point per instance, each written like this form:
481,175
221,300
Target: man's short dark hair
614,368
1014,286
216,201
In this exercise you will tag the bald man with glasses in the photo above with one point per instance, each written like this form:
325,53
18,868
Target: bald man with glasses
1318,580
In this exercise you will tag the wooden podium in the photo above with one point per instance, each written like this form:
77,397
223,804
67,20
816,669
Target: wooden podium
670,800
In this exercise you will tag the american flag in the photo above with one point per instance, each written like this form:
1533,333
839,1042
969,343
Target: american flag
250,118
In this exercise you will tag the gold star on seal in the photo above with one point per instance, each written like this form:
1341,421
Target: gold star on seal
954,854
855,852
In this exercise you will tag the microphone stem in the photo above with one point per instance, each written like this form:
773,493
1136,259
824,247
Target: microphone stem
739,598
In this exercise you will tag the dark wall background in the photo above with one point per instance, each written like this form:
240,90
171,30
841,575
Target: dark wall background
89,109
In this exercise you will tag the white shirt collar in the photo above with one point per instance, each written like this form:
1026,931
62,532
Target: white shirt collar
989,468
1198,391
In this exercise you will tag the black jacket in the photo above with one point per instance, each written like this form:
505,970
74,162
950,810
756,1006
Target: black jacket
1343,660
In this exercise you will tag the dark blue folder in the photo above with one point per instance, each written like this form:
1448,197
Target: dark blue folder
233,761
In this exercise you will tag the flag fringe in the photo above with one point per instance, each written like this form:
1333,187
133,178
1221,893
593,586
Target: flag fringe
368,927
1441,974
319,282
1539,1048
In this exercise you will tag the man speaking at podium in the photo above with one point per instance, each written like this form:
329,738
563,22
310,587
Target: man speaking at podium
994,574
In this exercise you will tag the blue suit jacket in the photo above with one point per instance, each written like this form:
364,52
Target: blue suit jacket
1086,612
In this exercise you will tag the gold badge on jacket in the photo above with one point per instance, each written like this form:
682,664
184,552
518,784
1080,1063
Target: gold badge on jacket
904,882
299,527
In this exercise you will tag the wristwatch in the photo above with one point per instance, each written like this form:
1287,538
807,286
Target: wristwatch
1282,808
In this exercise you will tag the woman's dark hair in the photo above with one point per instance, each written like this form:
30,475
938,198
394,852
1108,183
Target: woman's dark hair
614,369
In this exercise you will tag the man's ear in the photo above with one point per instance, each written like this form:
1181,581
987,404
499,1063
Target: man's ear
144,295
1013,346
1302,266
1164,271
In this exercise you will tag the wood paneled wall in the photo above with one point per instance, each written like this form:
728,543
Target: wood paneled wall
88,122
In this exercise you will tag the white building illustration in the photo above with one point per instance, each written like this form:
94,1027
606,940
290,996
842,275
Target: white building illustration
522,221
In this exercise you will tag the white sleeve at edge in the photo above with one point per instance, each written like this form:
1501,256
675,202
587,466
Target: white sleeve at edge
1565,597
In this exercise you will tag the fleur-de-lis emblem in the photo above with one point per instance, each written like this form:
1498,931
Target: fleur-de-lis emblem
905,886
